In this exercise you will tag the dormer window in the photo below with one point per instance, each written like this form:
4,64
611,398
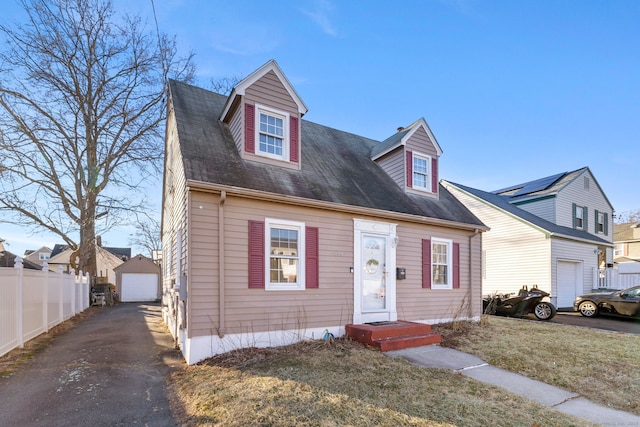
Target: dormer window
272,133
421,173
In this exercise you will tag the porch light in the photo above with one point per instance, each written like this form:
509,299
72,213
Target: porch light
394,241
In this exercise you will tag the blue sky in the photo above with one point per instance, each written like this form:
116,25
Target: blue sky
512,90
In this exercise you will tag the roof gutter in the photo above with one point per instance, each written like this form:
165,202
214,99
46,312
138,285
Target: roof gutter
331,206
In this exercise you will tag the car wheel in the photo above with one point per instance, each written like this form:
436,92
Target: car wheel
588,309
544,310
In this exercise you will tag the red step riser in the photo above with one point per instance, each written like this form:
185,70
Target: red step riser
393,337
407,342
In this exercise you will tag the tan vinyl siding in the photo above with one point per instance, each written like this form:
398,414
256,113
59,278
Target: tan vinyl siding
235,127
508,265
421,142
393,165
268,90
174,212
203,256
256,310
417,303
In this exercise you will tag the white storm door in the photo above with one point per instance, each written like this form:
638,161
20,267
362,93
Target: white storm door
374,272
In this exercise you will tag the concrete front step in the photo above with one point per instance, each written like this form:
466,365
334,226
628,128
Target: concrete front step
396,335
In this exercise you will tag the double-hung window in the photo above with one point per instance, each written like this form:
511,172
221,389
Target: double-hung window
441,264
285,254
421,172
579,218
272,133
600,226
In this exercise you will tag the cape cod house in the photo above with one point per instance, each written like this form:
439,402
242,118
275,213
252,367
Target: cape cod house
276,229
554,232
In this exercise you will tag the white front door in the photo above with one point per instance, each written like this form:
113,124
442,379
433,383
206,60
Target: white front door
374,272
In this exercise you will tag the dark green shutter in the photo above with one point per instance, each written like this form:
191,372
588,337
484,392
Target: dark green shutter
596,221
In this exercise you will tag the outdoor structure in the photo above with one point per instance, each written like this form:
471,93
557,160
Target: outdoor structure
38,256
106,260
554,232
276,229
626,240
138,279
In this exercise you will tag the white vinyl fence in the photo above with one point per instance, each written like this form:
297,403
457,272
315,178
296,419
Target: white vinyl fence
33,301
612,278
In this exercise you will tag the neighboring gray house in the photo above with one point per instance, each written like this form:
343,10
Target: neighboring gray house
554,232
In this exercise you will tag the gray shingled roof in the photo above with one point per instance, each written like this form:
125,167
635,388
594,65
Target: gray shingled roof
502,202
549,186
336,165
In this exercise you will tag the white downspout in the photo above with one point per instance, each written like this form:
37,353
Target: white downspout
475,233
221,279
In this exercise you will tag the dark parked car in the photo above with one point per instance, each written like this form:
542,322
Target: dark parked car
620,303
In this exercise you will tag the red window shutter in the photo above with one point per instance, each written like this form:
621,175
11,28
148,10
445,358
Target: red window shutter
426,263
456,265
293,139
434,175
409,169
249,128
312,273
256,254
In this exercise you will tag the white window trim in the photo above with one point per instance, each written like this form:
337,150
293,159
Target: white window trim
600,223
428,179
618,249
449,243
579,213
285,129
277,223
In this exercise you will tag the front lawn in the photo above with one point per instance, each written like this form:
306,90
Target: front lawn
345,383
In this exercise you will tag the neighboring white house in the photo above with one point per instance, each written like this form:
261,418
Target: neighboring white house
554,232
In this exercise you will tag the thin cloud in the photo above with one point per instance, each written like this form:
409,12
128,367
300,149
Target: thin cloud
320,15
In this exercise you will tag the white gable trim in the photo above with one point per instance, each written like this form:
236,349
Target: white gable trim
421,122
272,65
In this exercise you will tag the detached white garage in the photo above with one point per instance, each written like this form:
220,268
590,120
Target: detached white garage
138,280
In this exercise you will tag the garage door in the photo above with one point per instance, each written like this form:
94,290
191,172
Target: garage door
569,282
139,287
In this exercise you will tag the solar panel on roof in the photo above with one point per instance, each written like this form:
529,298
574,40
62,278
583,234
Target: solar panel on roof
538,185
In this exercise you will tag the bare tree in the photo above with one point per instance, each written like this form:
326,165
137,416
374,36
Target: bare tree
627,217
82,94
224,85
147,236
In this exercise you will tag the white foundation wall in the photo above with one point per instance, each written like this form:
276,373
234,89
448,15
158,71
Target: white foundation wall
199,348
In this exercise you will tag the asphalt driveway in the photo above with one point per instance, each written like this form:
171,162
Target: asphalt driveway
109,370
607,323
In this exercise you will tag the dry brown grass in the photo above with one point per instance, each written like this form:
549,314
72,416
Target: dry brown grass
342,384
602,366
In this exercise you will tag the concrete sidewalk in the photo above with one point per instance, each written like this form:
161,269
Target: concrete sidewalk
434,356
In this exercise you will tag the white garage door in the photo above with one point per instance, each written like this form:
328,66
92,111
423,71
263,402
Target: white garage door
139,287
569,282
